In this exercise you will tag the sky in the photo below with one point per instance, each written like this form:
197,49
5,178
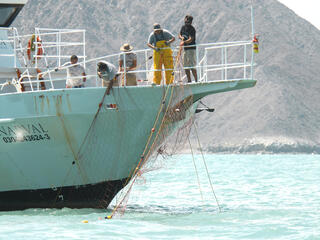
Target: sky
307,9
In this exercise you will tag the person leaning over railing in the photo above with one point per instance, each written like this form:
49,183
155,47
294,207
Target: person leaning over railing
188,36
131,65
160,40
108,74
76,76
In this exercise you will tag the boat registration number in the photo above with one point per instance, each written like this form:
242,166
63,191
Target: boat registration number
28,138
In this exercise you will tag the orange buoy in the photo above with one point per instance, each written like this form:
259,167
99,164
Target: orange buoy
32,47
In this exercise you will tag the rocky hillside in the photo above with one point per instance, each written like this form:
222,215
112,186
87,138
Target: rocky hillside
281,114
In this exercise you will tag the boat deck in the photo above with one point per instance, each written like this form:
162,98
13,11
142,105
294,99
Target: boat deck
216,62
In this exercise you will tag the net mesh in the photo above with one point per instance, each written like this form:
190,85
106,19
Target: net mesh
171,131
168,135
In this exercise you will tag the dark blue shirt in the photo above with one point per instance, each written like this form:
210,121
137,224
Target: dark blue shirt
186,32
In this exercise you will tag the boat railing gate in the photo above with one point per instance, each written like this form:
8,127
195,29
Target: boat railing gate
224,61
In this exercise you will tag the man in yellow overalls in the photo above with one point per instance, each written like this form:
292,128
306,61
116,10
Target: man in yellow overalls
160,40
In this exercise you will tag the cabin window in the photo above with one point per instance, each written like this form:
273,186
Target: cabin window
8,14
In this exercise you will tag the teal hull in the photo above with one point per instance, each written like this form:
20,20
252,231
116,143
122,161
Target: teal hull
51,140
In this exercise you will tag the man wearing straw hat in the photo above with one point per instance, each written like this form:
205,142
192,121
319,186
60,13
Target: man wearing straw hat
128,79
160,40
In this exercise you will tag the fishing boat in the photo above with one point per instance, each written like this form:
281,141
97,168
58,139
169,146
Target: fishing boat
78,147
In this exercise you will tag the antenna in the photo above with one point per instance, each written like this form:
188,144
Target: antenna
252,32
252,19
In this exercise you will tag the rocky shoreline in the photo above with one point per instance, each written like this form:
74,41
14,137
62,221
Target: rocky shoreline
265,149
261,146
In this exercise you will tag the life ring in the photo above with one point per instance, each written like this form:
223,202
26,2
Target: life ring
32,47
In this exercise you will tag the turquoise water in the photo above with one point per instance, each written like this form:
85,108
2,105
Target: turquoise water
260,196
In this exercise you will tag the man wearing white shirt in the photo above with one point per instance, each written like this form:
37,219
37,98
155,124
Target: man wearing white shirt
76,75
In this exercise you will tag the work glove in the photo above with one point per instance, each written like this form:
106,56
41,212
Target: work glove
167,43
157,49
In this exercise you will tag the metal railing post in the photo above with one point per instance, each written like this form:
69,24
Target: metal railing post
125,70
205,62
36,49
15,49
244,62
225,64
146,59
59,48
222,63
96,62
198,66
84,49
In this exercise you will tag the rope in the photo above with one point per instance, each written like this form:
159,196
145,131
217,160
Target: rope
143,158
147,150
205,164
93,121
195,168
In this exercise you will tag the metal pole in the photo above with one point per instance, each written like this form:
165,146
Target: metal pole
244,62
59,47
205,74
124,70
222,63
36,49
146,57
84,49
96,74
15,52
252,34
225,64
198,66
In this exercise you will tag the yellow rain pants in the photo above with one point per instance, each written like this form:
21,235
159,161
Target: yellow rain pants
163,56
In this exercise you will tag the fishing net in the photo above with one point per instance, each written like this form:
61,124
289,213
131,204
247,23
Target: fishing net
169,133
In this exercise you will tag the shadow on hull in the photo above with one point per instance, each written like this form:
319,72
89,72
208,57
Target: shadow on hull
85,196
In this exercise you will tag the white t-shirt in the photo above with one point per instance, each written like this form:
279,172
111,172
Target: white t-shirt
74,75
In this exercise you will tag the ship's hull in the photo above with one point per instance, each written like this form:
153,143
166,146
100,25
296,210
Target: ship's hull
56,151
86,196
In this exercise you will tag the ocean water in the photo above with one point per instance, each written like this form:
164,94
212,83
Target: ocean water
259,196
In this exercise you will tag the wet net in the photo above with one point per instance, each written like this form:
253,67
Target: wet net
169,134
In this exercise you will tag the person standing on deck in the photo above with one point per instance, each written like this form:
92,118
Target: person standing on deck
76,76
188,36
160,40
131,64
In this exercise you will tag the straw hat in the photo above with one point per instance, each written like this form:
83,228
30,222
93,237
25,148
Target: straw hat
126,47
156,27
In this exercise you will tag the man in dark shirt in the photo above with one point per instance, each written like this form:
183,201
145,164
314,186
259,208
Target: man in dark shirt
188,36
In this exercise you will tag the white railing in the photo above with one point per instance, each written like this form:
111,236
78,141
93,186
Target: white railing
227,62
215,61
